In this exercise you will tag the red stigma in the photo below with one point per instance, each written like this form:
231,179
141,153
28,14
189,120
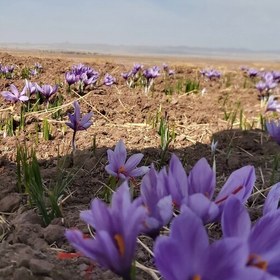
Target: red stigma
238,189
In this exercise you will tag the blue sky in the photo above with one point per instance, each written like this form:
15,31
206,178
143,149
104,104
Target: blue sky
252,24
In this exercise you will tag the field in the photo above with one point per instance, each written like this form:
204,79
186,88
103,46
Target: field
179,114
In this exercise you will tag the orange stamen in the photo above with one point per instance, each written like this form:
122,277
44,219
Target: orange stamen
120,244
256,261
121,170
196,277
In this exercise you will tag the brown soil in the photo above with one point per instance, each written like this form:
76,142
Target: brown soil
28,249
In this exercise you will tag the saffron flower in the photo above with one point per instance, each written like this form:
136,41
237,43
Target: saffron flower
136,68
70,78
77,122
187,254
109,80
252,72
273,128
272,104
262,238
211,74
31,87
267,83
197,190
116,230
47,90
150,74
159,206
121,168
14,95
202,182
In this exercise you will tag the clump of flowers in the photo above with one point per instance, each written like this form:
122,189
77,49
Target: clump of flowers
211,74
150,74
133,76
266,85
245,251
109,80
78,122
83,75
167,70
7,71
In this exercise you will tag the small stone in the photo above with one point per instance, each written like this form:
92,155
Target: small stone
54,233
27,217
10,203
23,273
41,267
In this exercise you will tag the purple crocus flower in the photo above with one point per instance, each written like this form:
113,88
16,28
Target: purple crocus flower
165,67
38,66
273,128
109,80
126,75
70,78
151,73
31,87
197,190
77,122
86,80
272,104
187,254
211,74
267,84
33,72
202,182
159,206
168,71
8,69
116,231
121,168
276,76
262,238
47,90
175,181
14,95
136,68
252,72
261,86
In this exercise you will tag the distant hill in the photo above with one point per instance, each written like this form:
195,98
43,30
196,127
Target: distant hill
148,50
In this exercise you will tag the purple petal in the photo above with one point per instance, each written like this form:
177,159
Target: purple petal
235,219
86,119
120,152
9,96
132,162
177,256
203,207
139,171
98,216
271,203
264,241
14,90
218,265
23,98
240,183
77,112
202,179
